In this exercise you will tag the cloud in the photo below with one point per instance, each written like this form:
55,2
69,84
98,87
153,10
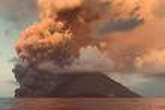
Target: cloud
158,10
121,25
133,17
152,61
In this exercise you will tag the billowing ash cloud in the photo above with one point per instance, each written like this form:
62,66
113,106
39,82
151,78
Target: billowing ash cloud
66,27
78,35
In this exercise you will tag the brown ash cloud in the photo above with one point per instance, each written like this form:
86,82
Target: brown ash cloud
65,27
76,35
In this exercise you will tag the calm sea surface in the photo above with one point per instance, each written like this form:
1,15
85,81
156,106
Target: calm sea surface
83,104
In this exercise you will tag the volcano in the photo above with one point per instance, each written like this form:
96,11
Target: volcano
37,83
54,43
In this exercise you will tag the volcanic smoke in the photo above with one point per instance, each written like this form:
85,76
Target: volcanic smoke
78,35
66,27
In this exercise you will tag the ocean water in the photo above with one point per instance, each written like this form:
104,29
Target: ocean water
5,103
83,104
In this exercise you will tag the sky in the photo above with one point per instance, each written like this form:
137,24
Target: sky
151,35
6,54
11,25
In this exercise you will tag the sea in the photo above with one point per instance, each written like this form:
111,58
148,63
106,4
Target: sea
83,104
5,103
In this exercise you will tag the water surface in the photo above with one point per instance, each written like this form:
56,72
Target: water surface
83,104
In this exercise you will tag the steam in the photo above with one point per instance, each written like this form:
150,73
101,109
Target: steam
91,59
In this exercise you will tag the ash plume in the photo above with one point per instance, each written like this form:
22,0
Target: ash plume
65,27
119,30
82,35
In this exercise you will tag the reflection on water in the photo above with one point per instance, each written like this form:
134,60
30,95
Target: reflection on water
5,103
86,104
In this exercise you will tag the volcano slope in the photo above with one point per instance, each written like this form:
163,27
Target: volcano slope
36,83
